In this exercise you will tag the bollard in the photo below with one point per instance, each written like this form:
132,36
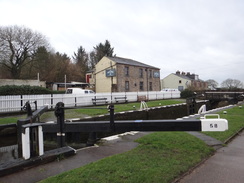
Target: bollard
91,139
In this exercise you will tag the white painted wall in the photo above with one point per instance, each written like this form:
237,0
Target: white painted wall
22,82
174,81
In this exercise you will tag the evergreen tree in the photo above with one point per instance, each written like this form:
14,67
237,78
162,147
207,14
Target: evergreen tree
102,50
81,61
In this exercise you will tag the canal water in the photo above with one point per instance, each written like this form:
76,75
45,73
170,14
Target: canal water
8,153
9,147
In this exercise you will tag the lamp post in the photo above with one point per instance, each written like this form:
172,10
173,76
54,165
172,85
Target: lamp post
65,81
147,82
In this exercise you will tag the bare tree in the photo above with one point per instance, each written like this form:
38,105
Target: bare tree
232,84
212,84
17,46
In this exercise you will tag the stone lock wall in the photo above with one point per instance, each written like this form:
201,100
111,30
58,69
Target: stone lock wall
163,112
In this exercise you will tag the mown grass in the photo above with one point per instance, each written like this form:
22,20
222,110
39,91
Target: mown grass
235,117
92,111
8,120
124,107
160,157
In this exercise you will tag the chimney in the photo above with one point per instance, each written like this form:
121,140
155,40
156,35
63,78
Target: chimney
178,72
183,73
193,76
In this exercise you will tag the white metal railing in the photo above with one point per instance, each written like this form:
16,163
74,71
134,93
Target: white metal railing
15,103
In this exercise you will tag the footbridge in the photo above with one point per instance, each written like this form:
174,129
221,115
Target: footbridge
214,97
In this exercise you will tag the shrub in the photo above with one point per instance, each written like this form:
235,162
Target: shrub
186,93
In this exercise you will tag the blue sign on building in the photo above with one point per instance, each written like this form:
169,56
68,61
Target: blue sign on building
110,72
156,74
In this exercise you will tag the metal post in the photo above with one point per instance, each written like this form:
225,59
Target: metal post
59,113
38,117
35,102
147,84
27,107
111,110
21,102
111,83
51,101
65,79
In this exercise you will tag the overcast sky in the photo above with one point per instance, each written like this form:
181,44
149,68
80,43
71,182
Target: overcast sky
205,37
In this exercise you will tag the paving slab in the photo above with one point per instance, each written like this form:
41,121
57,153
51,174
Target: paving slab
225,166
210,141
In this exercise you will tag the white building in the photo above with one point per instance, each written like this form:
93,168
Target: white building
182,80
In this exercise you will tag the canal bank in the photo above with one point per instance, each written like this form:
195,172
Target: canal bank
102,153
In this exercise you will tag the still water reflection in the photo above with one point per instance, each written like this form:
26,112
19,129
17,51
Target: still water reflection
8,148
8,153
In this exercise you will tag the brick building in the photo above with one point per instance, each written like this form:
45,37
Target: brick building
118,74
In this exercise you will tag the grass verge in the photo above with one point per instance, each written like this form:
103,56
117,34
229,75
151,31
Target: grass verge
160,157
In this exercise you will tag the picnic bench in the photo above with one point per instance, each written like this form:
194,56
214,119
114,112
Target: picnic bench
96,101
122,99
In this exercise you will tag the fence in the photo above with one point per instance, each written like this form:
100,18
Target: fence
15,103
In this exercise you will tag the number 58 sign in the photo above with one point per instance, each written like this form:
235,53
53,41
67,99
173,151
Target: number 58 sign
214,124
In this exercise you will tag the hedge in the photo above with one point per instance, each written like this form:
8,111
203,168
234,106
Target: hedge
24,90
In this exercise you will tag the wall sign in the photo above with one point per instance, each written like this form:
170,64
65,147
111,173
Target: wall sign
110,72
156,74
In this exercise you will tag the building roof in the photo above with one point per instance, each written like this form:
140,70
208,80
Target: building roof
187,77
183,76
127,61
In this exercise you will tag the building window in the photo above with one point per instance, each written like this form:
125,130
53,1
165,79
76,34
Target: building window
141,86
126,71
150,73
141,73
179,81
150,86
127,86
